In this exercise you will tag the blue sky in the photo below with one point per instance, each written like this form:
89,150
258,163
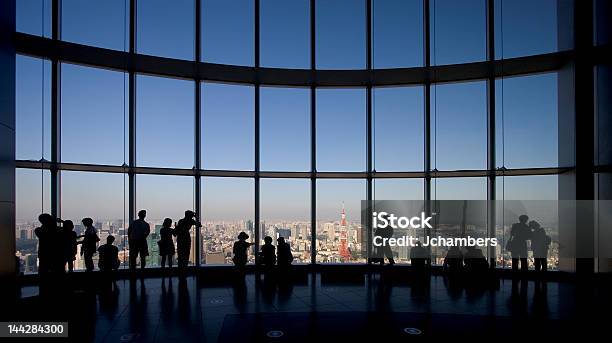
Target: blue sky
93,103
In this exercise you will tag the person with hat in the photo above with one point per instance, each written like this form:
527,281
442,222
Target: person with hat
240,249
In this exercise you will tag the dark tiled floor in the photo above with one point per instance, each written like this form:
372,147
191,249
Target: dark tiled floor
173,309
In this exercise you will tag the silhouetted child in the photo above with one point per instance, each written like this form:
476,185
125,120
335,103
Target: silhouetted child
453,262
283,254
241,246
540,242
520,233
268,256
69,244
90,242
109,255
166,244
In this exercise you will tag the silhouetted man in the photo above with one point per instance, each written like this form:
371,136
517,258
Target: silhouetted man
284,257
109,255
519,234
89,243
47,234
183,238
138,232
385,249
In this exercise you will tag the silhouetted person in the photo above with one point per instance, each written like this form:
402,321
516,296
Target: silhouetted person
419,257
138,232
47,234
474,260
540,242
284,257
384,250
519,234
108,259
453,262
166,244
89,243
268,256
69,244
183,238
241,246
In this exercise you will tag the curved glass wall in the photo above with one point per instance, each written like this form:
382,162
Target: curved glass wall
223,116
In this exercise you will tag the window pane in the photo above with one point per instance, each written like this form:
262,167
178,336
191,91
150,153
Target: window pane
341,34
285,129
166,28
32,197
338,240
460,126
341,129
103,24
285,33
228,209
527,121
528,27
164,122
398,128
398,189
101,197
94,115
459,188
228,32
165,197
458,31
285,212
228,126
474,218
34,17
534,196
33,108
397,33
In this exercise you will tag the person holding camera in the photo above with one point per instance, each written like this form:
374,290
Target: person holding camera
182,231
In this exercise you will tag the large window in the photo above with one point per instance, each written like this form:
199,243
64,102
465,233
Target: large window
227,32
397,33
527,121
284,129
340,235
459,112
94,115
33,108
101,197
341,129
285,33
263,136
458,31
165,118
228,132
340,34
398,129
227,209
166,28
534,196
34,17
104,24
285,212
165,197
530,27
32,197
